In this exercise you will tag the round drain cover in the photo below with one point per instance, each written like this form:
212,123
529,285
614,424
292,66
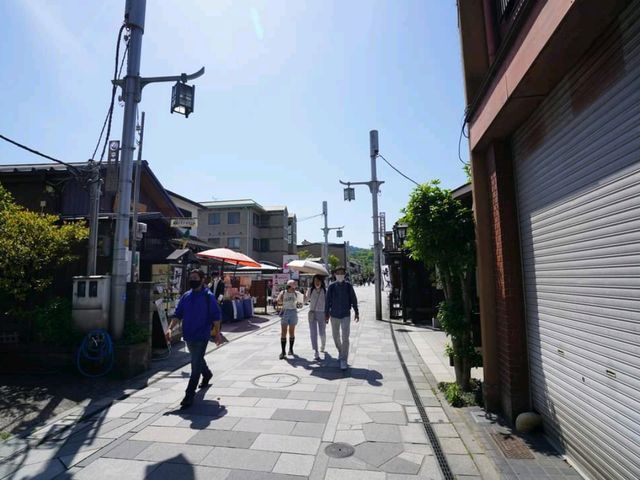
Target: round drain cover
339,450
275,380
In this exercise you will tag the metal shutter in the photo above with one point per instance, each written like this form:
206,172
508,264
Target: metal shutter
577,170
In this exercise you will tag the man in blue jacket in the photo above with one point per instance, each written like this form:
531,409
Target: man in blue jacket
341,298
198,310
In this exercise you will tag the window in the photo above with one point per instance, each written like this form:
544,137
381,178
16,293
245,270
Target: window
264,220
233,218
256,244
214,241
214,219
233,242
256,219
264,244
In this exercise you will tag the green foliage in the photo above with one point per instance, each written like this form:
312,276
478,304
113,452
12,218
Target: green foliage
364,257
441,234
334,261
5,435
53,323
32,246
459,398
304,254
467,171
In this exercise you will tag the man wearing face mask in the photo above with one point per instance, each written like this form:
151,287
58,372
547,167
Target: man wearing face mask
341,298
198,310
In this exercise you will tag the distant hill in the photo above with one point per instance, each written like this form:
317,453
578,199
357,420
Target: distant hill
364,256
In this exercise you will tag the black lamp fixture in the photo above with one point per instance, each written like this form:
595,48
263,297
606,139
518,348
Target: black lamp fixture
401,233
182,97
349,194
339,233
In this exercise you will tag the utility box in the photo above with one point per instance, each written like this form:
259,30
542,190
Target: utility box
91,301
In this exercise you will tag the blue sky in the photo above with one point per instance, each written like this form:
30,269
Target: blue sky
291,90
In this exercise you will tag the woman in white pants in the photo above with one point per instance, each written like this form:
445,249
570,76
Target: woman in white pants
317,324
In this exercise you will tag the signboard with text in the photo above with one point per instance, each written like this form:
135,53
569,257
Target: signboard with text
184,222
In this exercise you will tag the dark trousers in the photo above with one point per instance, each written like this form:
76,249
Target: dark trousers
198,365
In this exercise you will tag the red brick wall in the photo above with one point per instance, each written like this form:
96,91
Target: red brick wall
509,305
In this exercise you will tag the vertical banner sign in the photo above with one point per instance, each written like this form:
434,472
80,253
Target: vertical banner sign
383,224
285,266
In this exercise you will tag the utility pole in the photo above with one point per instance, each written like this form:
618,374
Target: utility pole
326,230
132,86
136,198
374,188
94,212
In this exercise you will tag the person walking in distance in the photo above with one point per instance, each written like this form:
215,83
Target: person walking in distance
317,325
289,300
198,310
341,298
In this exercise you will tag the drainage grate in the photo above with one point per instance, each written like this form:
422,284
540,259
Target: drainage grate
275,380
339,450
512,447
431,435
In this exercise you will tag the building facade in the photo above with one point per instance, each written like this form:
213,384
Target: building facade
189,209
263,233
553,94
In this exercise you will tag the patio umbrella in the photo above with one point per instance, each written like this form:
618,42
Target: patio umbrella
225,255
307,266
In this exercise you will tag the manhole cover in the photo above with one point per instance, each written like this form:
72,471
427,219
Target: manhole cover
339,450
275,380
512,447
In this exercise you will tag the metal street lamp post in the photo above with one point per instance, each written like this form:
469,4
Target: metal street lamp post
326,230
374,187
132,86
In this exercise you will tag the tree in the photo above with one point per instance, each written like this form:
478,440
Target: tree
441,234
32,246
334,262
304,254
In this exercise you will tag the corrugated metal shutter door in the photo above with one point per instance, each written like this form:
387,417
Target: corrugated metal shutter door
577,166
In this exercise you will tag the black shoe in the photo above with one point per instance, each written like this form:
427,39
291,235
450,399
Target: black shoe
186,402
205,381
291,353
282,356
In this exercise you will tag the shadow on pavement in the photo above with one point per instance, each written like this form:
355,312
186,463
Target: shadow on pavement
174,467
329,369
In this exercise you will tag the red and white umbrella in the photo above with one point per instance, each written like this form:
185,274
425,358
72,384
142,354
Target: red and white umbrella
225,255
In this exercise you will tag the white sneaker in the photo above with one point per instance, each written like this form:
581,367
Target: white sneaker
343,364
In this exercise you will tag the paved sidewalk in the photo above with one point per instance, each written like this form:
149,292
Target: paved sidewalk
266,418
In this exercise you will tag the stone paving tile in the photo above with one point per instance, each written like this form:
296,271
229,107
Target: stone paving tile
326,388
174,452
318,396
294,464
282,403
253,412
187,472
350,463
249,475
265,393
352,437
167,420
381,407
320,406
354,414
413,433
149,407
260,425
241,458
116,469
41,471
444,430
360,398
402,465
70,460
164,434
392,418
128,449
377,453
436,415
238,401
462,465
300,415
375,432
286,443
341,474
306,429
223,438
202,422
127,427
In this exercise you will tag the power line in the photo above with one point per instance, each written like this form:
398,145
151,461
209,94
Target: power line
116,75
309,218
36,152
408,178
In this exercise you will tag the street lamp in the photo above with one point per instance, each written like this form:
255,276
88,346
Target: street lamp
182,98
401,234
339,233
349,193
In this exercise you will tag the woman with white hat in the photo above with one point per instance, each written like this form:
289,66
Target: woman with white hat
289,300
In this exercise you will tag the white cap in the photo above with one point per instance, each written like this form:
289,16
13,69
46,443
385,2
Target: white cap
291,283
